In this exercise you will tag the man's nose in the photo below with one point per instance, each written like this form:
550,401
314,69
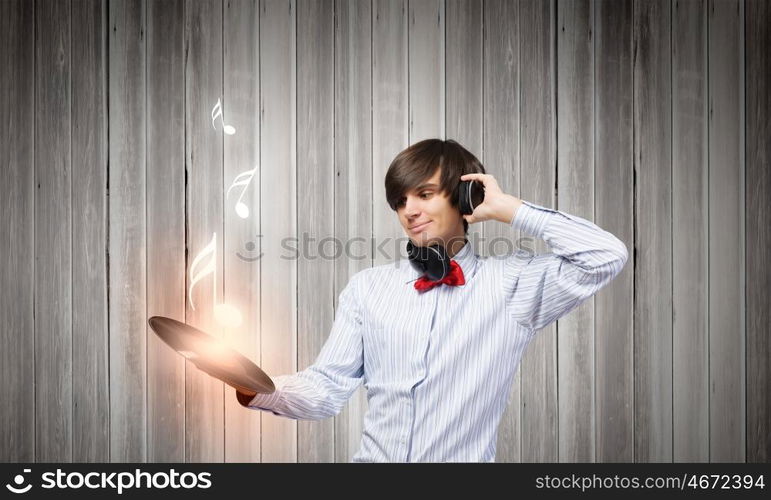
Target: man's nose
411,206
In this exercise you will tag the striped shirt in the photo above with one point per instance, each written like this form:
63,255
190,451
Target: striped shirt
438,365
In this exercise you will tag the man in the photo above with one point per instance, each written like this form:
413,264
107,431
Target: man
438,359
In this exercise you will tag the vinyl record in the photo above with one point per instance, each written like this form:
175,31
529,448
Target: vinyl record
212,356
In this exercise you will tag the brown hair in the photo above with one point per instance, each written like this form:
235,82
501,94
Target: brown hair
419,162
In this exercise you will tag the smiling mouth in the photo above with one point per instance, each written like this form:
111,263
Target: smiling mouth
420,227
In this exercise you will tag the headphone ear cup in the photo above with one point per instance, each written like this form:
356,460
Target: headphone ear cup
431,261
476,195
471,194
413,253
438,263
464,200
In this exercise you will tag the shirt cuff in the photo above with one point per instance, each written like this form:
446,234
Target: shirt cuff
260,400
532,219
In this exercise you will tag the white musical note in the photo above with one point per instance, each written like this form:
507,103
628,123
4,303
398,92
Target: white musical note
226,315
217,112
242,179
210,267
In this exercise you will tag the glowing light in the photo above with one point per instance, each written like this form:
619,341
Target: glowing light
227,316
224,314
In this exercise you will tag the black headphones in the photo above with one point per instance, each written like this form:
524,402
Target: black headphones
432,260
470,195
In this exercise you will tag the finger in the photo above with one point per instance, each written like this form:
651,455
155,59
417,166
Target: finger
487,180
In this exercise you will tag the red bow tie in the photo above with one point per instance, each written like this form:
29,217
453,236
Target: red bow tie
453,278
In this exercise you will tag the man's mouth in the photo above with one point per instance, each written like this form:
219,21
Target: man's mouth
417,229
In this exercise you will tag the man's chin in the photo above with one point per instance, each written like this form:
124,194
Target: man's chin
426,239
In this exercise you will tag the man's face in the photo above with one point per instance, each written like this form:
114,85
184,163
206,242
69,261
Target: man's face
427,216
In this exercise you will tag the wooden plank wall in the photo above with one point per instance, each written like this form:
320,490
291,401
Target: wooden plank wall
90,348
757,155
649,117
241,77
53,231
653,232
165,225
127,236
690,215
17,230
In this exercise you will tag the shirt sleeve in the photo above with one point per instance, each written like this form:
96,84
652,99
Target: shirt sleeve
322,389
584,258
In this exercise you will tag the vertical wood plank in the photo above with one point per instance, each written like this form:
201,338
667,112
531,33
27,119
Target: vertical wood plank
758,242
464,75
278,196
128,243
501,159
690,250
315,204
90,386
53,236
538,157
17,231
426,69
242,242
614,344
165,226
390,130
353,179
204,395
575,195
653,232
726,335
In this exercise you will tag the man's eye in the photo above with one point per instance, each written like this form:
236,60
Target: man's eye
425,194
